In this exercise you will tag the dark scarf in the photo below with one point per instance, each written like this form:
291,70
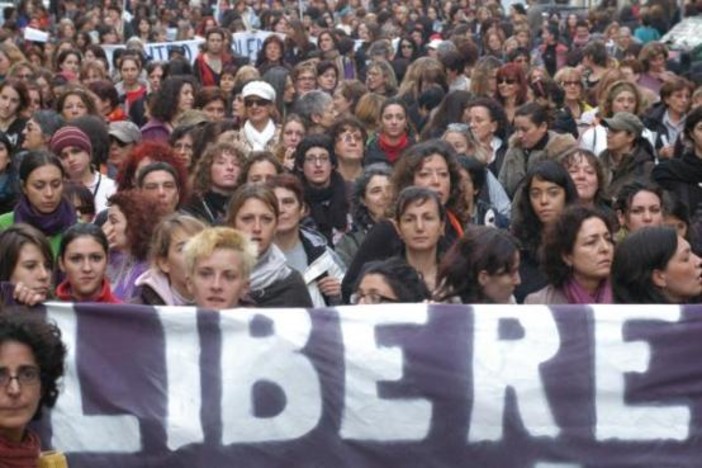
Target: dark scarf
24,454
390,150
63,217
329,206
217,204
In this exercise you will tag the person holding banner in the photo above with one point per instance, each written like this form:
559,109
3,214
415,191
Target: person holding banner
32,359
218,262
27,265
389,281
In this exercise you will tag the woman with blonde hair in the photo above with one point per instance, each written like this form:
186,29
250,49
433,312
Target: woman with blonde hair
571,80
368,110
483,81
621,96
380,78
165,282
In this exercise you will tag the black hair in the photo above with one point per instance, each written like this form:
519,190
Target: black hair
404,280
44,339
476,170
36,159
636,258
313,141
83,230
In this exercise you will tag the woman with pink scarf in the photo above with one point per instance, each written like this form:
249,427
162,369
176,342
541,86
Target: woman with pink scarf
577,259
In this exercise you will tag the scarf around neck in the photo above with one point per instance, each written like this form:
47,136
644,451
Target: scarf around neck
259,140
271,267
392,151
576,294
24,454
63,217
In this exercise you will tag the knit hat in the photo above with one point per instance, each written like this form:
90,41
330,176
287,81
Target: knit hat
70,136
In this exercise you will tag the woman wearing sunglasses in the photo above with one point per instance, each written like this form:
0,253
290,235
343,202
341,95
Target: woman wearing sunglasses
260,131
511,88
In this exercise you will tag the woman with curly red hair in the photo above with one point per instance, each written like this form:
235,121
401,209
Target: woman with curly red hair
146,153
131,220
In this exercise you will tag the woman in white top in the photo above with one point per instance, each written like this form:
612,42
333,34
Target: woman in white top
75,151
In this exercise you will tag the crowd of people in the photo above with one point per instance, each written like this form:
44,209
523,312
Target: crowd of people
373,152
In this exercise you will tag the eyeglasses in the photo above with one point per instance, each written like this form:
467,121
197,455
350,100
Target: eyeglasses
570,83
119,143
371,298
316,159
506,81
26,376
256,102
351,137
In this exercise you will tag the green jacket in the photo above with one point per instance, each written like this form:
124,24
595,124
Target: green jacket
8,219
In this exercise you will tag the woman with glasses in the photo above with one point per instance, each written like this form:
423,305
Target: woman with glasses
380,79
31,363
349,138
571,80
389,281
325,190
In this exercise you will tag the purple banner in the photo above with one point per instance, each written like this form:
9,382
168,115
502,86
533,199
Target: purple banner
397,385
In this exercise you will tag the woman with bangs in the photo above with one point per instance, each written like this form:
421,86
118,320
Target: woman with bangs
165,282
621,96
571,80
430,164
214,181
482,267
511,88
14,101
547,190
27,267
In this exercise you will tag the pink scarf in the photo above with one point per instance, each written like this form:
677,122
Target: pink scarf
576,294
24,454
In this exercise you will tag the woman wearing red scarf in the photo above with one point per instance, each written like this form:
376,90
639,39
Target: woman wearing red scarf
393,135
31,363
83,260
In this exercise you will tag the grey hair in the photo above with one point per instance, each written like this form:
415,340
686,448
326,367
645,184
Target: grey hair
312,103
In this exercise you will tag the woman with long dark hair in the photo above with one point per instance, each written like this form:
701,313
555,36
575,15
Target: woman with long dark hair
547,191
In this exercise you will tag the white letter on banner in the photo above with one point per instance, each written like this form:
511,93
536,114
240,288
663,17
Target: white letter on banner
613,358
502,363
183,371
72,430
367,416
275,358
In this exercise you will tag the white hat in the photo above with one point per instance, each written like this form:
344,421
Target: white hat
259,88
434,43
